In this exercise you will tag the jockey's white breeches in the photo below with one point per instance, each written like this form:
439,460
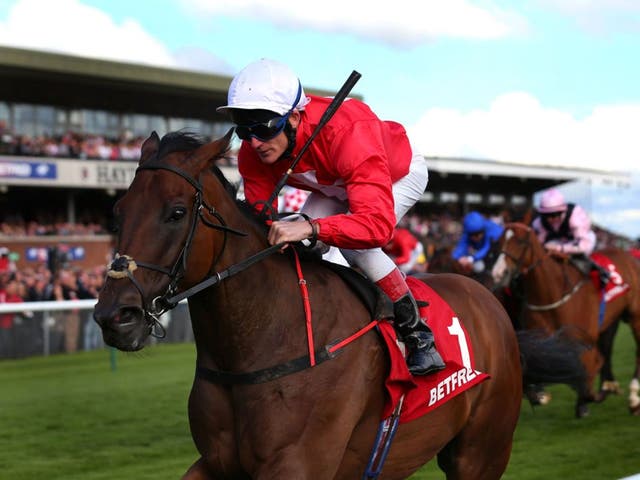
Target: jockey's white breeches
373,262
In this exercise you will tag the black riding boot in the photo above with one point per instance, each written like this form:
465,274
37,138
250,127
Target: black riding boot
422,356
603,273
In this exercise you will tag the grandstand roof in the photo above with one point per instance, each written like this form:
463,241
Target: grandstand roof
487,177
77,82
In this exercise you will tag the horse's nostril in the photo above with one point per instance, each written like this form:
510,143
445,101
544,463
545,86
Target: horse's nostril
130,314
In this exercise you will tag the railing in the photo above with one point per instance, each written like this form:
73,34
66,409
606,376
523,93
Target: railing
44,328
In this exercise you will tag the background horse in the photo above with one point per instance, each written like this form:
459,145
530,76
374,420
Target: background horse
178,225
443,262
555,296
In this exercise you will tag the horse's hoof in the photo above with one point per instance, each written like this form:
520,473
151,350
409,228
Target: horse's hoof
611,388
536,397
544,398
582,411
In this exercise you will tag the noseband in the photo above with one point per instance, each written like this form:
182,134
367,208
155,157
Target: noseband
123,266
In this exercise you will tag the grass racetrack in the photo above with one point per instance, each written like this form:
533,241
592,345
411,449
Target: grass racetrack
72,417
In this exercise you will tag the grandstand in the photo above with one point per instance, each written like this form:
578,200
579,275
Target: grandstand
71,127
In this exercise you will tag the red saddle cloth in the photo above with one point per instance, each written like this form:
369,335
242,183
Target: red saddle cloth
616,285
424,393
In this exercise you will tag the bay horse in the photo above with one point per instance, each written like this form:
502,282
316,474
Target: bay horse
555,295
443,262
179,225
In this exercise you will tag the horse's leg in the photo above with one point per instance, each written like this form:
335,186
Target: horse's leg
197,471
634,386
465,457
608,383
536,394
315,440
211,422
592,360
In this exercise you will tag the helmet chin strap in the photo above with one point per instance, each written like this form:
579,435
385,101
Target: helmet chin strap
290,133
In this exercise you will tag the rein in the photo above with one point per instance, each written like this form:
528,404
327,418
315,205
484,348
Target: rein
219,276
562,301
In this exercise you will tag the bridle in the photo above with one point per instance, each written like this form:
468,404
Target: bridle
524,271
526,244
123,266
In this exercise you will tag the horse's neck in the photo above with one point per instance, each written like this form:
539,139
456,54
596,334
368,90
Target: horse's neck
248,313
549,279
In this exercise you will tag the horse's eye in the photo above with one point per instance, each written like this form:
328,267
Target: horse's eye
177,214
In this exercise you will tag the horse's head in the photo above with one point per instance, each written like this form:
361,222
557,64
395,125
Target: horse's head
170,233
516,253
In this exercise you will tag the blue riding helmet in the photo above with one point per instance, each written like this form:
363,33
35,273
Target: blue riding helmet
474,222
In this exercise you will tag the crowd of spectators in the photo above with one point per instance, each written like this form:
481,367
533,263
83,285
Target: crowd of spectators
74,145
22,334
70,145
15,226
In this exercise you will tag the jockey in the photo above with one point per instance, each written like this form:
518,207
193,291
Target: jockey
566,228
362,173
405,250
478,235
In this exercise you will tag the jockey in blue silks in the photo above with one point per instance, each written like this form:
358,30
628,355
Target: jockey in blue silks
479,233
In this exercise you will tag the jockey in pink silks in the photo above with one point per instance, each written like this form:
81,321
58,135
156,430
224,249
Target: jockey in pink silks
566,228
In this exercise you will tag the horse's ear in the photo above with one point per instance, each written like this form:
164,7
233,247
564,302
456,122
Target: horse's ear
213,151
224,143
149,147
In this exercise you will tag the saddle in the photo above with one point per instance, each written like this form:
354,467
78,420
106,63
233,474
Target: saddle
417,395
379,305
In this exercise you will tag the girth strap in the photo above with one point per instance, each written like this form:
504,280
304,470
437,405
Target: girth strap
267,374
287,368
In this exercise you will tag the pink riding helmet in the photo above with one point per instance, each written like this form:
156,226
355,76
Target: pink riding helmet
552,201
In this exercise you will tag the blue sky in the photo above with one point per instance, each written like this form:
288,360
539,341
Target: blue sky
544,82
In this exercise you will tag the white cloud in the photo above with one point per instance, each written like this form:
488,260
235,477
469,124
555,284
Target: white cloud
598,16
402,22
518,128
197,58
69,26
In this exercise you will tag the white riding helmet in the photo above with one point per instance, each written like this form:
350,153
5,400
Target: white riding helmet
265,85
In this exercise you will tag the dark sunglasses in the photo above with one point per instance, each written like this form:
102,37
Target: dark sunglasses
263,131
552,214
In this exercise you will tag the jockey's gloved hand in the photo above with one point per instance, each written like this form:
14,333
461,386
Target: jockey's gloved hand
553,246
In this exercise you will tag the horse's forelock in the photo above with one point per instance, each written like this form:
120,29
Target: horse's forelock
181,141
